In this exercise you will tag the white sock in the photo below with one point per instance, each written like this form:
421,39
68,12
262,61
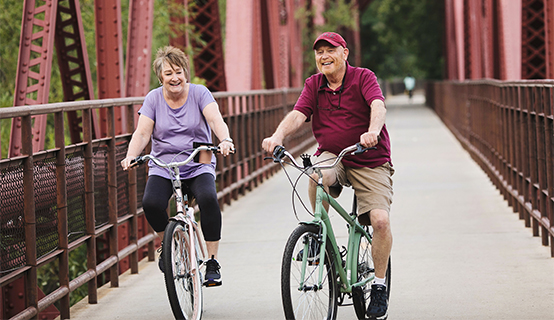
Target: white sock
380,281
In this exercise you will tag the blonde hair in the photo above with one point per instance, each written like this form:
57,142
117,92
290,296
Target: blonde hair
175,57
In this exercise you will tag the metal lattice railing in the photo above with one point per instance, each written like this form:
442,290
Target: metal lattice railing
55,201
508,128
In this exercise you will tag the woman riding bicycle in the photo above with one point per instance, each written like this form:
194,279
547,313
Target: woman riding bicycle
174,116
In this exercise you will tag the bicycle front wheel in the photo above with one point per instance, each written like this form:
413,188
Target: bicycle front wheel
182,276
366,270
303,296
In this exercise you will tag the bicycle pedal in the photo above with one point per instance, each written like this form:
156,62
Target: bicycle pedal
209,283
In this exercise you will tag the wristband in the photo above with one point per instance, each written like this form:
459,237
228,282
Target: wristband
228,139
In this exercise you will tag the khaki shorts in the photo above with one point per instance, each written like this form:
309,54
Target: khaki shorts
372,186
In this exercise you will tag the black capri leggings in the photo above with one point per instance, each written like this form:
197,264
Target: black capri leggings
158,190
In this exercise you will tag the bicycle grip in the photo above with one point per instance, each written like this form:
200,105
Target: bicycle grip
361,149
136,161
278,153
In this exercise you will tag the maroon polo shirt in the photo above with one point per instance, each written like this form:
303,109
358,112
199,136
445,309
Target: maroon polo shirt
339,117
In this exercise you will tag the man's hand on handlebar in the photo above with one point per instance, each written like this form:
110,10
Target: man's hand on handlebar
269,144
369,139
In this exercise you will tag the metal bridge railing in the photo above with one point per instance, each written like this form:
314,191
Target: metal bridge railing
508,128
55,201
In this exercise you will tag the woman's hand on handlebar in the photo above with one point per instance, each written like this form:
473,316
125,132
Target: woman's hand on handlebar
126,163
226,147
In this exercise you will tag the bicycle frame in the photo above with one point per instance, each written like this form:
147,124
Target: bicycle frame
186,216
355,232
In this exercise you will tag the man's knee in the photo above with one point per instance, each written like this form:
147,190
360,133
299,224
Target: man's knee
379,219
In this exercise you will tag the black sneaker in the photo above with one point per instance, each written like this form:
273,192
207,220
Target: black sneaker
313,253
160,258
213,277
378,303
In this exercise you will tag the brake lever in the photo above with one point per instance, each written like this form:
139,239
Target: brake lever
136,161
278,153
360,149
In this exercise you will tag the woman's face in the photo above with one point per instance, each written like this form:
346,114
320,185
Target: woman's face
173,78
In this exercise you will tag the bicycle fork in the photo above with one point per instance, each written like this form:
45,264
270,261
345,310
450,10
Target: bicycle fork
186,215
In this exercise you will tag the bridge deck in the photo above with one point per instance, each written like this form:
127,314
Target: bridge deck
459,252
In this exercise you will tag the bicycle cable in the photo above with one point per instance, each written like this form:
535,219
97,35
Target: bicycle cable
294,184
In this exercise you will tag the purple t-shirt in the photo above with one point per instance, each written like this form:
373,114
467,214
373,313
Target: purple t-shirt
175,130
340,117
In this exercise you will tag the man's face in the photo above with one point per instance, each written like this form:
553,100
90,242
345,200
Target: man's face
329,59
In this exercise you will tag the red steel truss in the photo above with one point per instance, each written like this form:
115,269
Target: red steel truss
202,18
44,23
32,84
506,40
74,64
533,39
139,49
109,57
208,59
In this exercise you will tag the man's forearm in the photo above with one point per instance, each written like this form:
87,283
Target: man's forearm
378,116
292,121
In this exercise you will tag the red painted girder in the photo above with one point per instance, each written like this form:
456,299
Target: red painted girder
533,39
208,58
243,67
74,65
549,34
139,49
109,56
34,67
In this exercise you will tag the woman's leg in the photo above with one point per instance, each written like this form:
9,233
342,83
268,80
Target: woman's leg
203,189
157,192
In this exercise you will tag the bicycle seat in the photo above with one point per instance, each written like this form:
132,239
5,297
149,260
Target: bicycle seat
335,190
364,219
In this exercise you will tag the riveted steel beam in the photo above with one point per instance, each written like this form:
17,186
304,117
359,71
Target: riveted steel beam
34,66
74,64
109,56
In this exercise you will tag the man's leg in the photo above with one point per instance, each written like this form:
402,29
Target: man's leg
329,178
382,241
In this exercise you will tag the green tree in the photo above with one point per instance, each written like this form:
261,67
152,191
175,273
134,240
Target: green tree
337,17
403,36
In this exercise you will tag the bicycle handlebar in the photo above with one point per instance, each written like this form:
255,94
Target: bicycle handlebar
141,159
280,152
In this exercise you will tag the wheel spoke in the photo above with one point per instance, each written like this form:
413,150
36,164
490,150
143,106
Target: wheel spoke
184,286
309,301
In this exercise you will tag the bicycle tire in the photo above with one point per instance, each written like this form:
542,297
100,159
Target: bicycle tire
366,269
184,287
307,303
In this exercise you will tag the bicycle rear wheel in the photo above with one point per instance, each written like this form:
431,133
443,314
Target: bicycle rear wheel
182,276
366,270
306,300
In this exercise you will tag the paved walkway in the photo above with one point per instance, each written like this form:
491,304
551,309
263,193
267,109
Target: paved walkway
459,252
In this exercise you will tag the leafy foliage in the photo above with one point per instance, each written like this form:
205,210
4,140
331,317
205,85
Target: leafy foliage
403,36
337,16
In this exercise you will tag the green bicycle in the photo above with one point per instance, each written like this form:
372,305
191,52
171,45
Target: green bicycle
314,290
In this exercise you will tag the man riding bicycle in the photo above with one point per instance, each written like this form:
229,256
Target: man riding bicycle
346,106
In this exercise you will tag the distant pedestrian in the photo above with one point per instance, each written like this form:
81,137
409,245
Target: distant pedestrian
409,83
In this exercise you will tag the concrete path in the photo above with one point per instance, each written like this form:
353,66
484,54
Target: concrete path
459,252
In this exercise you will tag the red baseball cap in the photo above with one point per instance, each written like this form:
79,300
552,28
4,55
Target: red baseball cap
333,38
